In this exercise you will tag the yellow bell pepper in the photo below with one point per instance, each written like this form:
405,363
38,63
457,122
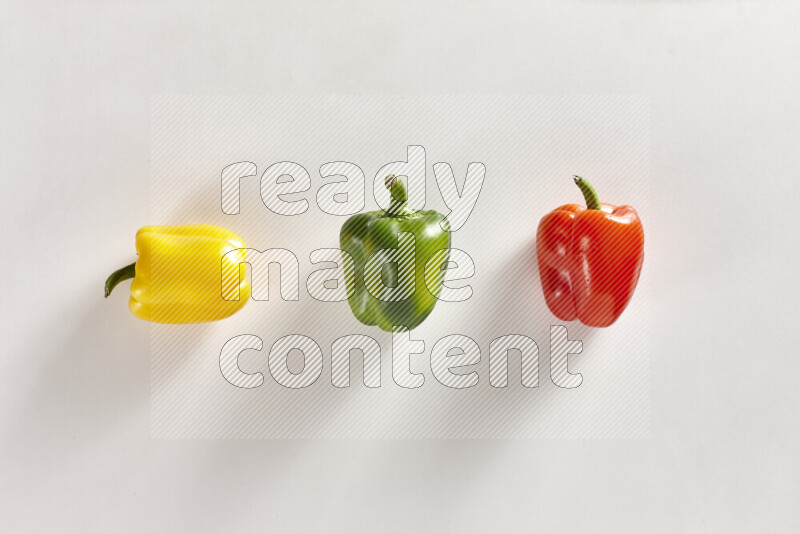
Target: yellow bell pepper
183,274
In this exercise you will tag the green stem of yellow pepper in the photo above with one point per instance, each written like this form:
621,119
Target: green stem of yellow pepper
126,273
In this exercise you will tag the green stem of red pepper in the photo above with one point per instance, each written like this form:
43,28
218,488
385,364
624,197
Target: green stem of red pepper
592,200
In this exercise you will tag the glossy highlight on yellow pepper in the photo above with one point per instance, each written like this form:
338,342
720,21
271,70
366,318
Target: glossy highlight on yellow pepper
184,274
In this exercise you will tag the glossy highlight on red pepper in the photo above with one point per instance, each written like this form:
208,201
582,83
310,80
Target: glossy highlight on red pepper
589,259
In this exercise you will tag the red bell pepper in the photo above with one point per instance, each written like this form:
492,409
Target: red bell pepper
589,259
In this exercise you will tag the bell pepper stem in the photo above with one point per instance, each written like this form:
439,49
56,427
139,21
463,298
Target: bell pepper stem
397,189
592,200
126,273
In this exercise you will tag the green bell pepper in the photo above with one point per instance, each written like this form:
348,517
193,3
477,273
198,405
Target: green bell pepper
387,286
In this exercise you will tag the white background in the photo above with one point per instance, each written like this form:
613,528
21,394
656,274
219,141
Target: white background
530,146
723,78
